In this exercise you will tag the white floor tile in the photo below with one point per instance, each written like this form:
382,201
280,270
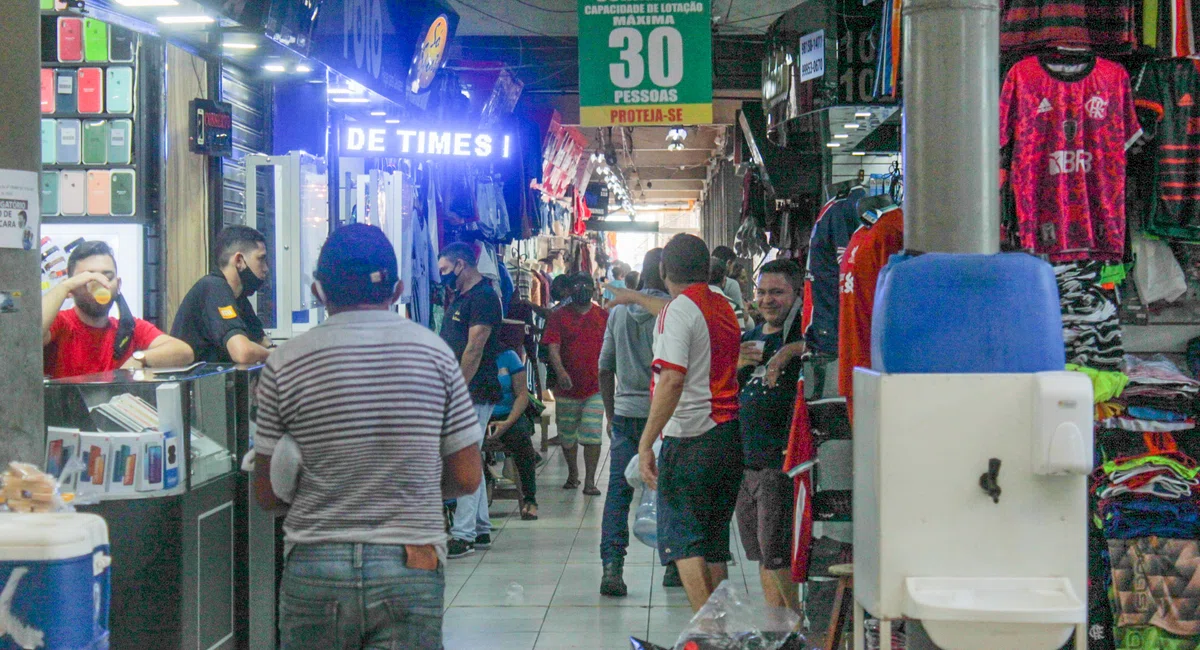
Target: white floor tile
491,641
495,620
608,640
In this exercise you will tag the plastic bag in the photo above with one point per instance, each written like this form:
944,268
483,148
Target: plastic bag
728,622
633,471
26,488
645,522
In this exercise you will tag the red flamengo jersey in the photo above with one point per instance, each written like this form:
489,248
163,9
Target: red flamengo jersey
1069,126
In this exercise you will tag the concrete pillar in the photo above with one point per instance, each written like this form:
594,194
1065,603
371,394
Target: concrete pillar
22,432
951,125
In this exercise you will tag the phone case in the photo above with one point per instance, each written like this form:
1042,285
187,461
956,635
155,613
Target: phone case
70,39
120,44
49,142
72,193
69,142
95,40
64,91
49,39
119,89
91,90
95,142
120,141
99,193
47,5
122,202
47,91
49,193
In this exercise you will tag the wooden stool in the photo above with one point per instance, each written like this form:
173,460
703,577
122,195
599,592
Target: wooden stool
843,604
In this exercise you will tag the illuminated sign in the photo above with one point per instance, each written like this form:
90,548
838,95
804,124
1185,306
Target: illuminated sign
401,141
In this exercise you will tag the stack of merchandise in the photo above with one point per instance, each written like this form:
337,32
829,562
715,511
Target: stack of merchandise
1146,495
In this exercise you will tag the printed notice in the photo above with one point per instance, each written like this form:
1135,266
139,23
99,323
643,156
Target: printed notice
812,55
19,212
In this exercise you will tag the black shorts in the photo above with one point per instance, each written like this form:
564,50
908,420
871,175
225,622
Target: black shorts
764,515
698,482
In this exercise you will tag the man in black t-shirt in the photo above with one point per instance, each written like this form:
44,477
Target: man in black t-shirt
216,317
765,503
471,328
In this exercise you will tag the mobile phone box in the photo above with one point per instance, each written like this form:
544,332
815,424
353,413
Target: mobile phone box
62,445
96,451
151,461
123,463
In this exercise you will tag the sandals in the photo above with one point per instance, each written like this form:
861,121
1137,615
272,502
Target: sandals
592,490
571,484
529,512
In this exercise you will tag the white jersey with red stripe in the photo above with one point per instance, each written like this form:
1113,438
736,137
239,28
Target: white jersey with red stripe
698,335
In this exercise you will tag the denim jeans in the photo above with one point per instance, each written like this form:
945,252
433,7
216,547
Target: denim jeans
471,514
614,533
358,596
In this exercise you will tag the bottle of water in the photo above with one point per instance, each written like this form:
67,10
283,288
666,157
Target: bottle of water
645,525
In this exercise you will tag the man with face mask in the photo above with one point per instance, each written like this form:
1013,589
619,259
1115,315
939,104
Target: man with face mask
86,339
575,335
216,317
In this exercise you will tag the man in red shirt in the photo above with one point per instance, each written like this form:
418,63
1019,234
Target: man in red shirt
575,335
86,339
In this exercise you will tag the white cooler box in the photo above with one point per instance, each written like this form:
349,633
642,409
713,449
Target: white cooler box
55,570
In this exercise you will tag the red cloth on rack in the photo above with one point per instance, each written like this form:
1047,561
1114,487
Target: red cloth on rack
801,449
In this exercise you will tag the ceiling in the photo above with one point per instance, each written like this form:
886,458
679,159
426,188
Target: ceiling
559,17
656,176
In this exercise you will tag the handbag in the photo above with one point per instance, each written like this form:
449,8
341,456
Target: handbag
535,409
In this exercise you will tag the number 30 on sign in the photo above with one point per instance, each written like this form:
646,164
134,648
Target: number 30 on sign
644,63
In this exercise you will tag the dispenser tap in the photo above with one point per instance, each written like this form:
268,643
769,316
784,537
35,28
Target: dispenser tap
989,480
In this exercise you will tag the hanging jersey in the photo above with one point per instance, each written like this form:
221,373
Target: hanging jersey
1167,95
1101,25
801,449
1069,128
835,224
887,64
1183,28
868,252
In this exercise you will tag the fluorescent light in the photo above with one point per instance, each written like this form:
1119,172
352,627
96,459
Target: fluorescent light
841,136
862,115
148,3
275,67
350,100
185,20
303,67
229,45
337,91
378,113
391,121
832,145
850,126
858,153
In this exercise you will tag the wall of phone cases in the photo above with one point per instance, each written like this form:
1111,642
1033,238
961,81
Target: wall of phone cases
89,82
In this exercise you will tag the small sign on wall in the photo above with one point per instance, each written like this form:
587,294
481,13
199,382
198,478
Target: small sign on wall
210,127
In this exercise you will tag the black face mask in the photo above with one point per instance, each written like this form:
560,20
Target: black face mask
250,282
582,297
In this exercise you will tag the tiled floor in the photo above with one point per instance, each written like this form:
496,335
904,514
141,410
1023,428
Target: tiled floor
555,562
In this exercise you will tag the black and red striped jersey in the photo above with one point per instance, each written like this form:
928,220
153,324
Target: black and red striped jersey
1168,100
1105,26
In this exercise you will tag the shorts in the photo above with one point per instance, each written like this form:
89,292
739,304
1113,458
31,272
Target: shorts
698,481
764,515
580,421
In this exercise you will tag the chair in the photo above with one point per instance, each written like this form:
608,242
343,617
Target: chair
843,605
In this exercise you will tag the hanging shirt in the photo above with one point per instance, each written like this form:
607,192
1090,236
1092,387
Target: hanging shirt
836,222
1101,25
1167,94
867,254
1069,131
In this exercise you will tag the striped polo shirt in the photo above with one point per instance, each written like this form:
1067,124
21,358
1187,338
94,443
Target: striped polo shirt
375,403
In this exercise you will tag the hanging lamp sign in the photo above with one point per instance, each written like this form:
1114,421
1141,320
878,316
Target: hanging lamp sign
645,63
425,142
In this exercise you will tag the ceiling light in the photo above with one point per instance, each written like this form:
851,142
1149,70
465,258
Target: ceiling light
391,121
850,126
378,113
239,46
841,136
303,67
350,100
863,114
832,145
148,3
677,133
337,91
858,153
185,20
275,67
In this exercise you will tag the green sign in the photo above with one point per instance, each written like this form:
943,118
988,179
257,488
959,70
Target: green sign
644,63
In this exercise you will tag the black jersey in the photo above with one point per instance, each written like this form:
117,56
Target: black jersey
1168,101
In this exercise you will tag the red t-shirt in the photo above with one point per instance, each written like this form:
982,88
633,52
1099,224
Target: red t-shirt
866,255
79,349
581,337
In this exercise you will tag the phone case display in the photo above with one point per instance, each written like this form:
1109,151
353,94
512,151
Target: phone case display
126,239
95,142
120,141
99,192
69,142
70,40
123,193
91,90
49,142
1069,121
95,40
49,193
65,96
48,79
72,193
119,89
121,44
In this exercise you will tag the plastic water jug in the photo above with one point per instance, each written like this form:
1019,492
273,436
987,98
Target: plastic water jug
645,524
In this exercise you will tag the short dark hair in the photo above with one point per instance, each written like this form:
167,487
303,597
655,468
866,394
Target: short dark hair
789,269
633,280
460,252
89,249
560,287
724,253
717,272
686,259
357,266
651,273
233,240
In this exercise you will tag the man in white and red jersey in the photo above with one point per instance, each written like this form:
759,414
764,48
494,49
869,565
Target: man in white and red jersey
694,408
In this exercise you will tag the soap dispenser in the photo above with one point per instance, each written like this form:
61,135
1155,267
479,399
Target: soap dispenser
1063,415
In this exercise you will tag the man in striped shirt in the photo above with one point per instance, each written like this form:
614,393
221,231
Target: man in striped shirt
386,430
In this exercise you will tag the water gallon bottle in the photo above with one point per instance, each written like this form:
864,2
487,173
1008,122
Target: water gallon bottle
645,525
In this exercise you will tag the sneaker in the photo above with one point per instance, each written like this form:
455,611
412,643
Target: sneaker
671,576
483,542
613,584
459,548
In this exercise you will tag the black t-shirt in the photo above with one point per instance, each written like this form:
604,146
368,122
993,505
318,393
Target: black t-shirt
767,412
479,306
210,315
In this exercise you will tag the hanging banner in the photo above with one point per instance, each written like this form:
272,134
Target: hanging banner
634,67
19,211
